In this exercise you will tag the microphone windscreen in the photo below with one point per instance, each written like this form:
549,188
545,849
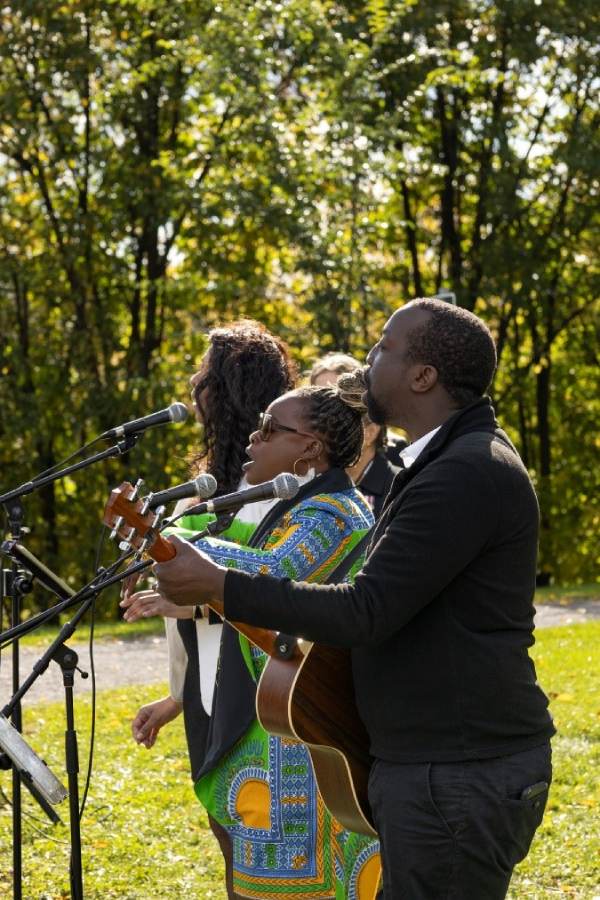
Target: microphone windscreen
206,485
29,763
286,486
179,413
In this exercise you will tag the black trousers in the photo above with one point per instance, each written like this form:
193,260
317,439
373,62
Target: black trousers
455,831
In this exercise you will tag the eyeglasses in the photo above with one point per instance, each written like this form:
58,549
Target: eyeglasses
267,425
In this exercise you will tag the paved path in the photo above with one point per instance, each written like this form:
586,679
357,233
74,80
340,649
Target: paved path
144,660
579,610
117,662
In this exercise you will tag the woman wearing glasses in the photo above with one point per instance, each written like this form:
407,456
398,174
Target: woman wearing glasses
259,787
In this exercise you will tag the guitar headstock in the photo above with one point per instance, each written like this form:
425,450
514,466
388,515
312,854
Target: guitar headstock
128,518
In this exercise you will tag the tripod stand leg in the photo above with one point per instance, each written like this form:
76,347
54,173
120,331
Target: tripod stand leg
17,836
67,660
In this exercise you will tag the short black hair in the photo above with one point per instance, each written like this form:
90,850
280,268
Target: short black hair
458,344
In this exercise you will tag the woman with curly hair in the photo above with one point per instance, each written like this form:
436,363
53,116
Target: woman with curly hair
261,788
244,368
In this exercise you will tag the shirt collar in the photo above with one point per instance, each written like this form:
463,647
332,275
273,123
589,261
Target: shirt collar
410,453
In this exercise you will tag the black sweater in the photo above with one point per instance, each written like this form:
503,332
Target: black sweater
377,481
441,615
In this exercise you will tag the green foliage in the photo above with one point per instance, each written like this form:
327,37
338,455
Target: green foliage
170,166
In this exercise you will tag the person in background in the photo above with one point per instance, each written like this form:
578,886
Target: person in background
259,787
373,473
244,368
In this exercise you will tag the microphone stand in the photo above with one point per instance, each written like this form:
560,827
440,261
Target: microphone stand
18,582
118,449
67,659
15,582
69,598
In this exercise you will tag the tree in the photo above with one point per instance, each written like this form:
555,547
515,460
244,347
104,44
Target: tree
170,166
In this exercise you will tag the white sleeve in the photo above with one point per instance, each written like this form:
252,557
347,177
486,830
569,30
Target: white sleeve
177,660
209,644
180,507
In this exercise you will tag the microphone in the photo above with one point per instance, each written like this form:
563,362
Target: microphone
283,487
176,412
28,763
202,486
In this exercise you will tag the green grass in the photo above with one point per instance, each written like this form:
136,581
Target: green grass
145,835
568,594
564,860
102,630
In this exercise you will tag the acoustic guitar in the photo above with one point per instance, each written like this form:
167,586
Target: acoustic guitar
305,692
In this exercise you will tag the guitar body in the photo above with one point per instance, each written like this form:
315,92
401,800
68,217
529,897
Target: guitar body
310,698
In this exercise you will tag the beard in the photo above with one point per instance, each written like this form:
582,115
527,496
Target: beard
375,411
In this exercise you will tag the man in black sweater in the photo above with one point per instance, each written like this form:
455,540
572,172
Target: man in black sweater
439,619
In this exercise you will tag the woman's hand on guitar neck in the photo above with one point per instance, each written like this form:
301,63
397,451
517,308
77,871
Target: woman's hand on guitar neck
190,577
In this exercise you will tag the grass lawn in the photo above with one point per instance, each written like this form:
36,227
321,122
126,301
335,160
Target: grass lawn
102,631
144,835
564,860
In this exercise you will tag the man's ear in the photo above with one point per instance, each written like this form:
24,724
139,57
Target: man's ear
424,378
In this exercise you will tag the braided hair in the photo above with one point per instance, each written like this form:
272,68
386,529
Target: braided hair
248,368
336,416
348,368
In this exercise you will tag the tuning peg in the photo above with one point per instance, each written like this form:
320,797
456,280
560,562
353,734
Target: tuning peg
125,544
118,522
137,488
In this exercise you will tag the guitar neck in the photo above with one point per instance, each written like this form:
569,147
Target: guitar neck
263,638
162,550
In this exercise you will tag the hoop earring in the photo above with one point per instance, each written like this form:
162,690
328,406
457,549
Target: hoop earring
301,460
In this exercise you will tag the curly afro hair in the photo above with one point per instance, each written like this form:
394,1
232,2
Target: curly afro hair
247,368
458,344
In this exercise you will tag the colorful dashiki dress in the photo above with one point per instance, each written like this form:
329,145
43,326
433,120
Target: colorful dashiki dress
262,788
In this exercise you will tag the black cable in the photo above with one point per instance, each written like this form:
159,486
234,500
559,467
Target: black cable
90,764
67,460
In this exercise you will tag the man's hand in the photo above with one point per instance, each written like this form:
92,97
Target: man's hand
151,718
190,577
144,604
